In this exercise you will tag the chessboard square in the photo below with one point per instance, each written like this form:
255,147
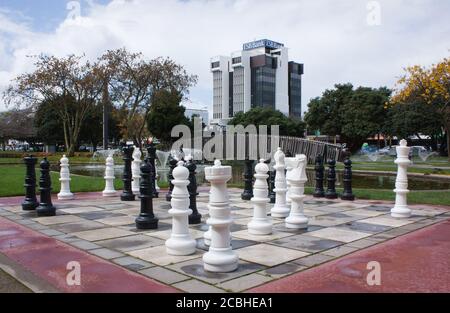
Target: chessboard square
269,255
244,234
77,210
130,243
387,220
282,270
338,234
363,213
329,220
163,275
196,286
129,211
365,227
106,253
99,215
158,255
329,209
58,219
78,226
114,206
307,243
103,234
281,227
195,268
132,263
312,212
244,283
117,220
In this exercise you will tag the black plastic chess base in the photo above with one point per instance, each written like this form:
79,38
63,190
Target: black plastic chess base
127,197
168,197
195,219
155,195
46,210
319,194
347,197
331,195
29,206
246,196
145,222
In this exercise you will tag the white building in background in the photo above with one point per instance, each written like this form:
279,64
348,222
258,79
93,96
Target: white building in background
258,76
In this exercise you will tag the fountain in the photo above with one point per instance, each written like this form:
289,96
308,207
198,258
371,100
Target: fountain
162,156
425,154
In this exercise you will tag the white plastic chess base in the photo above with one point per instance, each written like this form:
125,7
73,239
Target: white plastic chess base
109,193
296,222
65,196
401,212
260,227
180,245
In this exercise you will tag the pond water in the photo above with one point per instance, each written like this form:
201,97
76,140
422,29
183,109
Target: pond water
360,180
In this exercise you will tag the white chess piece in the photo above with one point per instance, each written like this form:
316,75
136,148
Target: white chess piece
401,209
136,170
297,179
260,224
180,241
65,193
109,177
280,208
288,184
220,257
156,179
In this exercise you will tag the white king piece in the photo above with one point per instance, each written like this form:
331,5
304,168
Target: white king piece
180,241
65,193
220,257
297,179
401,182
260,224
280,208
136,170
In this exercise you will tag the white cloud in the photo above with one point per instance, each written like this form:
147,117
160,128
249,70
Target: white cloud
332,38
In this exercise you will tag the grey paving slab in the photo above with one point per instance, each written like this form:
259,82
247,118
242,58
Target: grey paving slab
307,243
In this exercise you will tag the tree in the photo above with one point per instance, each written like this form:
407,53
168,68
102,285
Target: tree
289,126
49,127
165,113
432,85
364,115
59,78
324,113
17,124
134,82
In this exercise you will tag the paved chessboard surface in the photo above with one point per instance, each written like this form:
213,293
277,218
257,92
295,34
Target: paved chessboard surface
105,227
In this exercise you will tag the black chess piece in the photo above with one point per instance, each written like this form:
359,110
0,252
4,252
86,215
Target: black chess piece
45,207
127,194
194,217
331,180
319,192
347,181
151,149
30,202
247,194
288,154
172,164
146,218
270,182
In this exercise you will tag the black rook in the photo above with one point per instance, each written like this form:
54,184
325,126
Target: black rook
127,194
347,179
45,207
30,202
146,218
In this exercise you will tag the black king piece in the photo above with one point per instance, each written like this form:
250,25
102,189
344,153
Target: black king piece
127,194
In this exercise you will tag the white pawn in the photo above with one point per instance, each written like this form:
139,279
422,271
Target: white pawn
220,257
297,179
136,170
180,241
280,208
401,182
260,224
109,177
65,193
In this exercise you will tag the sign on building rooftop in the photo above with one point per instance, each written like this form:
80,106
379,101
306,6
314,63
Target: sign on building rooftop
262,43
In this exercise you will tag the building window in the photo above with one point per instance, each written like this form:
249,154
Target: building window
236,60
215,64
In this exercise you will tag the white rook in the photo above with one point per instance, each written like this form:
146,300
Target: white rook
220,257
280,208
297,179
109,177
65,193
401,182
260,224
136,170
180,241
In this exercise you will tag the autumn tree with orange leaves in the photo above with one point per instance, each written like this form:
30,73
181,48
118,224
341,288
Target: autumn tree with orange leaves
430,86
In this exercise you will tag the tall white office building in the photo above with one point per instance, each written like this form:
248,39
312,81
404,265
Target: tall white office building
260,75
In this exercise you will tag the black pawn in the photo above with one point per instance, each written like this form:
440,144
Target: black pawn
194,217
45,207
172,164
151,149
319,192
270,183
146,219
30,202
331,179
127,194
347,180
247,194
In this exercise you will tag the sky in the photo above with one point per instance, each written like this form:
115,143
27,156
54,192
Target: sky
366,43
